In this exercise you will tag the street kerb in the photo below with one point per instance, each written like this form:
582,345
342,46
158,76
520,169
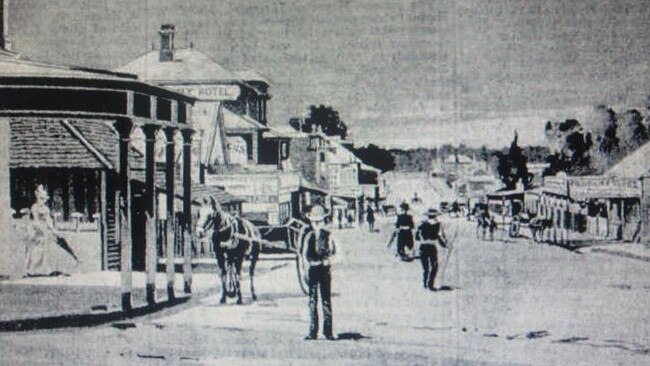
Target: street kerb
85,319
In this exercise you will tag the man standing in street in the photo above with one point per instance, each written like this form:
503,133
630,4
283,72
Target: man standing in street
429,235
318,246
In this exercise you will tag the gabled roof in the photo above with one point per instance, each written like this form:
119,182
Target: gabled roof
234,121
283,132
251,75
340,154
634,165
189,65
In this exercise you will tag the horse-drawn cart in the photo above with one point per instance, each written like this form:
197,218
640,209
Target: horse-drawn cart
287,238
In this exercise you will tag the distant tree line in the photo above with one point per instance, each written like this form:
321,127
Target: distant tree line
421,159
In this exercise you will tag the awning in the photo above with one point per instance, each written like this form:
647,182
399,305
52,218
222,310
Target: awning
235,122
339,202
306,186
513,194
62,143
199,192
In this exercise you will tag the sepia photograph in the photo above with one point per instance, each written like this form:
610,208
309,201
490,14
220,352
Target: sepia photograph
324,182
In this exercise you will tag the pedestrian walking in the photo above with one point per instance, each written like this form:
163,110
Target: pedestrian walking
430,235
370,218
404,227
318,248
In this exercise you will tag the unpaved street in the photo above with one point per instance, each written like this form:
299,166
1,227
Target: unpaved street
511,302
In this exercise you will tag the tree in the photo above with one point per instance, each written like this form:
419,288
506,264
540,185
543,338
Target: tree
376,156
327,119
632,132
512,168
571,151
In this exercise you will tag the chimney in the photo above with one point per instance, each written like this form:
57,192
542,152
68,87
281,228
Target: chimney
166,42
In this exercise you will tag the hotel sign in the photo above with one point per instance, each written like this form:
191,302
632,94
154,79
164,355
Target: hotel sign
213,92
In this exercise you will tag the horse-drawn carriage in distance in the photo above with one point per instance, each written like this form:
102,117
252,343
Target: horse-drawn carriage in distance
501,209
508,210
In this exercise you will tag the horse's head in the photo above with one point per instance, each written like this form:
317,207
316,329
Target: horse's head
208,211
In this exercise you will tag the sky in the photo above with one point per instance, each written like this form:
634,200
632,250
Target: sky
401,73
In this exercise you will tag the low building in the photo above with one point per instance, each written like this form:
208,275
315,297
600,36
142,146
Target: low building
348,184
589,207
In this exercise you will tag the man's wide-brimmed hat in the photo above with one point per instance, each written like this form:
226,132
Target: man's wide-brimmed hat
432,212
317,213
41,192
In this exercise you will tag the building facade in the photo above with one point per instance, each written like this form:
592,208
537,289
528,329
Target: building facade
71,131
235,149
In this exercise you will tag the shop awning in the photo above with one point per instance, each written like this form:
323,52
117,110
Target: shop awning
64,143
234,122
199,192
512,194
336,201
306,186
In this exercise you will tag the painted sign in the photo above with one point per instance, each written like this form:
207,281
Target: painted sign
209,92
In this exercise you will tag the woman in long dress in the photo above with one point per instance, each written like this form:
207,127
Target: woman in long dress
39,232
44,248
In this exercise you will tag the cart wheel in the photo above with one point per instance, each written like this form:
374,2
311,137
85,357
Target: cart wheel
301,272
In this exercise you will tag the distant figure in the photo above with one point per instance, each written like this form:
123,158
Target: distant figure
415,198
485,224
455,209
318,247
370,218
350,219
404,227
339,218
430,234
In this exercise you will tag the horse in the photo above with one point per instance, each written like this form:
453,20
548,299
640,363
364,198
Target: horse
233,239
538,225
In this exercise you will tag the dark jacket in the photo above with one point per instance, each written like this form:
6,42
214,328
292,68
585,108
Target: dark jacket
429,234
318,248
370,215
405,226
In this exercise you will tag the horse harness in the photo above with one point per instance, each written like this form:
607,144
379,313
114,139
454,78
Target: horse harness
225,230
